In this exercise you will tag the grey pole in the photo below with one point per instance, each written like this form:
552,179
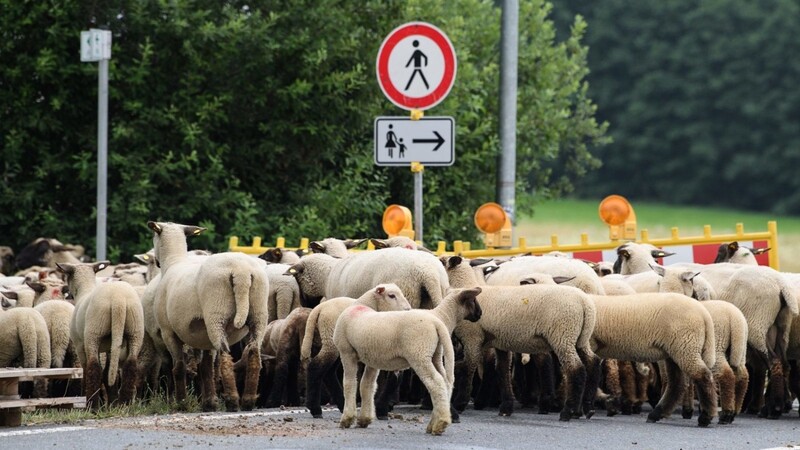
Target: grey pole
102,156
507,168
418,200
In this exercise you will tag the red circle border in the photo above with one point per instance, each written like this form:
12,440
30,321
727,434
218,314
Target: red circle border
448,78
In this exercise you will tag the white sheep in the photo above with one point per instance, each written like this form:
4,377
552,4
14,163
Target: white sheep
633,257
399,340
730,331
24,338
210,303
338,248
531,319
581,275
107,319
419,275
320,351
734,253
653,326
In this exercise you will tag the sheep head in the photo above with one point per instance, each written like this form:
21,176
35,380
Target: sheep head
385,297
467,300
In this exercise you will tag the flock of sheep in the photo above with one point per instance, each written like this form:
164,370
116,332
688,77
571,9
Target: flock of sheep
557,332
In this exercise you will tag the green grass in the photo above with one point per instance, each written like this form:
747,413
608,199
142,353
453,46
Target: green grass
569,218
158,404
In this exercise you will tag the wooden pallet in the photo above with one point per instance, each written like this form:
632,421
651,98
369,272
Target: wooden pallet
10,402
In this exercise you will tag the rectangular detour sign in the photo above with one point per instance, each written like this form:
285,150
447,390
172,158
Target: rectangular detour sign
399,141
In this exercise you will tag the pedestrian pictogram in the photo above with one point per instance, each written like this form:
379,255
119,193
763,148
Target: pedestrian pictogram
416,66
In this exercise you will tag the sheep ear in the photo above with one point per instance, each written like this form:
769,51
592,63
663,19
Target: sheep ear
591,264
660,253
143,258
732,247
38,287
658,269
353,243
154,226
623,253
62,248
560,280
527,281
100,265
5,303
11,295
479,261
65,268
317,247
292,271
489,269
454,261
758,251
380,290
379,243
689,276
191,230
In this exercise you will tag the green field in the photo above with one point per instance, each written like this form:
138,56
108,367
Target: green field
569,218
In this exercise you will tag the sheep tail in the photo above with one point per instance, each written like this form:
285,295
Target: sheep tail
738,344
788,299
241,282
589,322
308,337
449,353
118,313
709,346
27,337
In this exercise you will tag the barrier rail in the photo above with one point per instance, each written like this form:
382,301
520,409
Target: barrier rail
700,249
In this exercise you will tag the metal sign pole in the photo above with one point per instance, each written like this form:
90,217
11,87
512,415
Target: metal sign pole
417,169
102,156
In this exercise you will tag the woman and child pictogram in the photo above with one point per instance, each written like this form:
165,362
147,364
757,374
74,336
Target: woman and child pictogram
392,142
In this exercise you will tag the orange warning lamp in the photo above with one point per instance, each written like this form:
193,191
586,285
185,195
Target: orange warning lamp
617,213
397,221
492,220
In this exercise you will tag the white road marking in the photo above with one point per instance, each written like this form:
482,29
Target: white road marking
42,431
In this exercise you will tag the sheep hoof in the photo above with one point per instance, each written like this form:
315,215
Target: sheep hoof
455,418
654,416
687,413
506,408
627,408
346,422
363,422
704,419
725,417
637,408
588,412
210,405
248,403
565,416
231,404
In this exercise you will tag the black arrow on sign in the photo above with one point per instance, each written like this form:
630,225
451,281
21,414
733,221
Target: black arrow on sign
438,141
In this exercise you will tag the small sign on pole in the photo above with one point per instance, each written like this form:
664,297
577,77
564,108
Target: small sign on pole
96,47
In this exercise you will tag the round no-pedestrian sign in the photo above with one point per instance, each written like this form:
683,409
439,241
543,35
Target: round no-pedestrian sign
416,66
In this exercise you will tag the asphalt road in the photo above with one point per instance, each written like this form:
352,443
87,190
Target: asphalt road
295,428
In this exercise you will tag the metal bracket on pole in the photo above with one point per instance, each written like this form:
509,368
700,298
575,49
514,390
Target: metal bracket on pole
417,169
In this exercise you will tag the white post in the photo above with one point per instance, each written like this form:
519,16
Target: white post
102,156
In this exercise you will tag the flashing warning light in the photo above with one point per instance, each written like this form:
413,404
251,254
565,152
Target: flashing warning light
492,220
397,221
617,213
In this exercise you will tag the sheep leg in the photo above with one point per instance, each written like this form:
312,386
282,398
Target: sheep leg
574,383
130,379
350,379
724,375
252,374
292,388
92,377
503,366
613,386
627,377
523,391
208,391
794,378
706,394
175,348
672,392
437,386
386,400
545,370
369,384
687,404
592,364
322,369
229,391
642,385
279,381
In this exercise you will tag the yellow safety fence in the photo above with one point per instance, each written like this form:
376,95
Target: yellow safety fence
707,243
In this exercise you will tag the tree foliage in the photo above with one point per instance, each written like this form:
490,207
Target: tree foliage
701,97
255,118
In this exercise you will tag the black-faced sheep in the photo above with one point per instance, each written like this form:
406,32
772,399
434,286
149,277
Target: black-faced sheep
734,253
532,319
281,256
320,351
419,275
209,304
634,257
107,319
581,275
286,339
399,340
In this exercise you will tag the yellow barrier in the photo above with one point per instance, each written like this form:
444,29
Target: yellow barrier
463,248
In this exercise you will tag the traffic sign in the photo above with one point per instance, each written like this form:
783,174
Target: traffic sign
399,141
95,45
416,66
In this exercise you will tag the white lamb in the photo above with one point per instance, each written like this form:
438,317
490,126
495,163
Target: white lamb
108,319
